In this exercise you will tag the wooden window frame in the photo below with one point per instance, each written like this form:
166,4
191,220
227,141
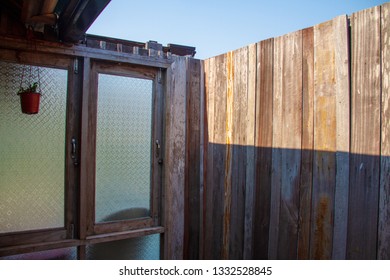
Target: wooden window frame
20,241
77,60
93,229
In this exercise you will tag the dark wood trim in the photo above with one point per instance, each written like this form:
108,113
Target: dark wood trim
32,236
120,226
36,247
82,51
84,154
123,235
81,244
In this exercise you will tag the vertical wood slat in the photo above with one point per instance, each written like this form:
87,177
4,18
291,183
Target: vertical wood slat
276,175
365,135
306,185
291,145
220,148
239,153
331,138
227,175
341,46
208,155
384,197
324,161
192,178
202,157
174,162
286,151
263,145
250,151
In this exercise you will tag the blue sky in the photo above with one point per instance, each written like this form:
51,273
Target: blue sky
215,27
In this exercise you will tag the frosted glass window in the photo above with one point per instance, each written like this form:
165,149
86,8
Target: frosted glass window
32,152
140,248
123,148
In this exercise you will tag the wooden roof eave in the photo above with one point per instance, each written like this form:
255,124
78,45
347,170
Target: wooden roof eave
78,17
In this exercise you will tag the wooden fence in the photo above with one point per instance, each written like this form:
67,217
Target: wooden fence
288,148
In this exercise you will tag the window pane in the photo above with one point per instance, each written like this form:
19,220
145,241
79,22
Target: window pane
123,148
140,248
32,151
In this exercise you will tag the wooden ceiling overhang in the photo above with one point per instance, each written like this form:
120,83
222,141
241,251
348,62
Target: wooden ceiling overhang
70,18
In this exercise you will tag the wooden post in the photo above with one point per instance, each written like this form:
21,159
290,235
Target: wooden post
174,163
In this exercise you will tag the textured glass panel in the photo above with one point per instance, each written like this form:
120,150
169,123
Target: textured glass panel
32,152
140,248
123,148
56,254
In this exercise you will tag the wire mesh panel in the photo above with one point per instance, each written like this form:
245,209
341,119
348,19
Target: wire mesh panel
32,151
123,148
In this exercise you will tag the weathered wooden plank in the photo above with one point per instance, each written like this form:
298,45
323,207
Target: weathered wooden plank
286,151
202,157
210,88
365,135
263,145
192,178
324,161
341,45
227,173
220,148
291,145
174,163
250,151
306,184
239,155
276,176
384,196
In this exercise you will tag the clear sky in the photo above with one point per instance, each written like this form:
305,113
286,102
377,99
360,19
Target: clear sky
216,26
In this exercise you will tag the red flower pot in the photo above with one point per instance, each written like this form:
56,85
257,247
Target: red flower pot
30,102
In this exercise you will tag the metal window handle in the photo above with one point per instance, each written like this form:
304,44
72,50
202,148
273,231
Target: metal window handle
158,151
74,151
158,148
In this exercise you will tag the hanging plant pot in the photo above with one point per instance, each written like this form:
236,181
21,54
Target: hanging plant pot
29,102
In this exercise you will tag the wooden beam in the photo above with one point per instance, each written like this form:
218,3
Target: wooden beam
80,50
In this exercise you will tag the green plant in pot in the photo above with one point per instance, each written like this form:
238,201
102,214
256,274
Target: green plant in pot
29,98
